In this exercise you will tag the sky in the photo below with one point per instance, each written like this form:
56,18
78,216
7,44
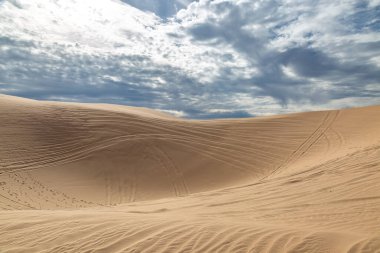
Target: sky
195,59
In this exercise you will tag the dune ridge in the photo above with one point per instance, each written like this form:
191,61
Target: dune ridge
102,178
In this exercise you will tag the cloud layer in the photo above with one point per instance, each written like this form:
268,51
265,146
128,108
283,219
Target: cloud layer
205,59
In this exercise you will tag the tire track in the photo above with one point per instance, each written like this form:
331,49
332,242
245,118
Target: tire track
108,189
177,172
168,172
178,183
318,133
72,157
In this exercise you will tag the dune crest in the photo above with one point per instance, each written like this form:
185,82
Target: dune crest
102,178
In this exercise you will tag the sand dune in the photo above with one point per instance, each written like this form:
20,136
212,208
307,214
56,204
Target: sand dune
103,178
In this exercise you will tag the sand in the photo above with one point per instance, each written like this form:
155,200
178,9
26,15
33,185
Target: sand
103,178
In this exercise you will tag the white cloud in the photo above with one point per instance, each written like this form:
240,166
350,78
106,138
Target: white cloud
212,58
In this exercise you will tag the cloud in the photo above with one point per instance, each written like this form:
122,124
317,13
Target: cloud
199,59
218,114
308,40
161,8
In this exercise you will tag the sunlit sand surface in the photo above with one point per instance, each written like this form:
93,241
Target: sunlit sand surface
104,178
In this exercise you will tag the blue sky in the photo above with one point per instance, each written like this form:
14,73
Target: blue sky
195,59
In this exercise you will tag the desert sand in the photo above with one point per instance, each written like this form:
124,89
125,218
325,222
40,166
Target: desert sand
103,178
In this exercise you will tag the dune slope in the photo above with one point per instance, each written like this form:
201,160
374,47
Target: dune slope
103,178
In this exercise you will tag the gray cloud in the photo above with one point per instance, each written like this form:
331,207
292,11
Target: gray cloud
308,60
214,59
162,8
